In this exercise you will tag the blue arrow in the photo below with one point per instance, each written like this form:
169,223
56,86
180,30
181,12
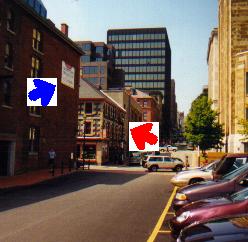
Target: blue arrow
43,90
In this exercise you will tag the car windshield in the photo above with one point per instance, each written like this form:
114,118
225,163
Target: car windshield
239,196
232,174
209,167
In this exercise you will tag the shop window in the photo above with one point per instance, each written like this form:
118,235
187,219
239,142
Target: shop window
90,151
34,137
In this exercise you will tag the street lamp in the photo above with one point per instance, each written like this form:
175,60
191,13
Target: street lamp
83,119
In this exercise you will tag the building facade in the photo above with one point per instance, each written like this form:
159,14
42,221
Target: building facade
145,56
134,111
213,69
27,43
150,108
233,32
101,123
98,65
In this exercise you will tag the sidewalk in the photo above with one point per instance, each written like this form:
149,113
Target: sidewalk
30,178
117,168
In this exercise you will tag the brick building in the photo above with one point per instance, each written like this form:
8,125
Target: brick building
33,47
134,111
100,126
150,108
233,45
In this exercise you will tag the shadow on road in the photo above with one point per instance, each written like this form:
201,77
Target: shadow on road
17,197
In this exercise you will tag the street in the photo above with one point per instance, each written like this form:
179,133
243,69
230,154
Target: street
87,206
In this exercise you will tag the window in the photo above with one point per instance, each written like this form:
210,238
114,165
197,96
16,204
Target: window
34,110
90,69
145,103
88,108
86,47
8,57
102,69
36,67
145,116
10,20
99,50
87,128
36,40
85,58
34,136
7,92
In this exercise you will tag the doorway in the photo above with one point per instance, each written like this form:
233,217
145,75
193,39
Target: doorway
4,158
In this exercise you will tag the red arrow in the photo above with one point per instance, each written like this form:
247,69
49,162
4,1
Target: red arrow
142,135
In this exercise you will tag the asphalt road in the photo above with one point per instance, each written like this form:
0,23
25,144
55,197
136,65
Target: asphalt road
87,206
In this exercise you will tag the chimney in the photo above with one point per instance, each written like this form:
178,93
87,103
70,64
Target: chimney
64,29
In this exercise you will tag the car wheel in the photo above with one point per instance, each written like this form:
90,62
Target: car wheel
178,168
195,180
154,168
174,150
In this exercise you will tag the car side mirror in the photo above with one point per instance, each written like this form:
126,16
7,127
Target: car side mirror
244,182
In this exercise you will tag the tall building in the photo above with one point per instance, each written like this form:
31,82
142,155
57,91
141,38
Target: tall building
213,68
27,45
145,56
98,65
233,46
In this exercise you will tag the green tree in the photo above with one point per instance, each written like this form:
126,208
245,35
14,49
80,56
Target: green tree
201,125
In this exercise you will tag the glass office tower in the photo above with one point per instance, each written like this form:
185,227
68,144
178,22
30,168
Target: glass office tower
145,56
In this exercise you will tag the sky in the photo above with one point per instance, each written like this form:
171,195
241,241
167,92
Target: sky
189,24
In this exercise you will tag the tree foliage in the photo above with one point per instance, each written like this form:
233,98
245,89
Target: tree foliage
201,125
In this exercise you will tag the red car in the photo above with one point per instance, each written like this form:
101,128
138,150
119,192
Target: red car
204,210
230,183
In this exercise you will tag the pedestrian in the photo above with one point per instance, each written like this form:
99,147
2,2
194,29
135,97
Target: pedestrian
187,163
51,157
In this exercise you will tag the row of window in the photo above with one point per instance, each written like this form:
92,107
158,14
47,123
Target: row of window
128,69
135,53
146,84
139,45
142,77
87,58
140,61
96,80
93,69
130,37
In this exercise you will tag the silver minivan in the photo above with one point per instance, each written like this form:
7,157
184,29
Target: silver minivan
155,162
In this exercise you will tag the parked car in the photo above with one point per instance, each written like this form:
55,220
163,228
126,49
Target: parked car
168,148
228,229
206,209
204,173
230,183
155,162
135,158
229,163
